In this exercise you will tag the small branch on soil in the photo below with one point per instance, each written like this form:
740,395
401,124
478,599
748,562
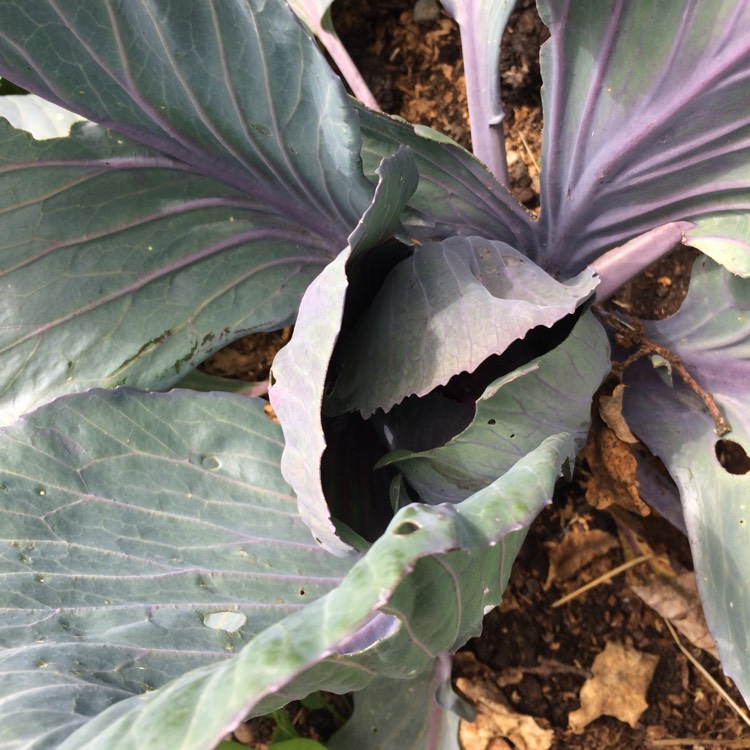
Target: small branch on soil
700,742
630,336
715,685
605,578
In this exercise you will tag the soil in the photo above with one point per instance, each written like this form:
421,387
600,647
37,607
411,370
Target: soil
534,658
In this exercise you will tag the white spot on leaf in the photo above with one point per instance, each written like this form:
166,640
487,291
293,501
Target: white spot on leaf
229,622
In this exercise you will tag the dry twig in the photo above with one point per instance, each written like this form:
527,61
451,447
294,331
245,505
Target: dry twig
715,685
605,578
631,336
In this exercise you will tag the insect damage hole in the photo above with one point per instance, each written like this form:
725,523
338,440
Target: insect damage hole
732,457
407,527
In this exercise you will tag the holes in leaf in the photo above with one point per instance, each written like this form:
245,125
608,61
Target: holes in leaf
407,527
732,457
209,462
491,421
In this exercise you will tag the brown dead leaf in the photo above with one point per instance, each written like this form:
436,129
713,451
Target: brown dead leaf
620,678
613,471
610,409
496,723
676,599
575,551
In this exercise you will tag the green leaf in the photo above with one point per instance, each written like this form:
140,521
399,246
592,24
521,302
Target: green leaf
298,743
142,536
456,193
232,89
392,713
128,259
462,553
711,334
135,267
515,413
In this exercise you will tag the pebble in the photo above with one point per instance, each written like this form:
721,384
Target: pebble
426,11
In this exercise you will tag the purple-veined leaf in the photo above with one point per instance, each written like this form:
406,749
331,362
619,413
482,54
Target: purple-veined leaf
143,535
443,311
645,122
122,265
461,555
37,116
515,413
236,89
482,23
711,333
456,193
235,178
300,368
316,15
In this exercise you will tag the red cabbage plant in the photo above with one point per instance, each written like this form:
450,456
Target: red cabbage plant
173,561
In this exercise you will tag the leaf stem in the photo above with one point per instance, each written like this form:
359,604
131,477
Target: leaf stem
618,266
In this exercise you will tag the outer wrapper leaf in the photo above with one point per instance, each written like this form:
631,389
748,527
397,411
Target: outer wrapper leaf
121,265
711,333
142,536
645,122
461,552
232,88
212,227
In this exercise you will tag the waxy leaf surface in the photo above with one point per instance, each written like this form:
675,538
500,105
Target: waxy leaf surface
645,122
136,269
435,567
551,394
205,218
143,535
711,333
232,88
